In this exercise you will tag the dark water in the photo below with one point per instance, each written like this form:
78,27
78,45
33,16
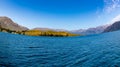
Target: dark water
102,50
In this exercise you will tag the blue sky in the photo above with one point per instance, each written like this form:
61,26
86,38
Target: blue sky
60,14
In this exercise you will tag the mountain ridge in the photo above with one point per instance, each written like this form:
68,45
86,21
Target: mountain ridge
89,31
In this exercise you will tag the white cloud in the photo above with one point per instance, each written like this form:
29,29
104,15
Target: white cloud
111,5
117,18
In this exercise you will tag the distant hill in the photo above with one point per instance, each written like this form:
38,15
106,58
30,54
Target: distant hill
7,23
47,29
89,31
42,29
114,27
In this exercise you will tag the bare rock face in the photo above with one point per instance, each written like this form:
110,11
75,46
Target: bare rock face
114,27
7,23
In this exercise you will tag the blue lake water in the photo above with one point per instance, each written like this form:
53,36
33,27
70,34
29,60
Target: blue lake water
101,50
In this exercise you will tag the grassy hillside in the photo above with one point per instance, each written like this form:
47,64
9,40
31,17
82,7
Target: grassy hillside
39,33
47,33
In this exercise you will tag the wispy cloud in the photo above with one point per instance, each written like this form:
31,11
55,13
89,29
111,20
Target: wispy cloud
111,10
111,5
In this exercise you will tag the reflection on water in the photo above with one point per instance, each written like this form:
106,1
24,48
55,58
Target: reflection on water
102,50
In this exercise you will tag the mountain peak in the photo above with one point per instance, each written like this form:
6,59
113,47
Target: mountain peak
3,17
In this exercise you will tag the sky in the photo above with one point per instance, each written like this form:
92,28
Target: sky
61,14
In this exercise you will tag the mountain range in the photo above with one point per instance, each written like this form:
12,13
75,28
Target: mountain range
89,31
113,25
7,23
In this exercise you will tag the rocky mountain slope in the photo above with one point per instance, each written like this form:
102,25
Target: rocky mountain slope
114,27
7,23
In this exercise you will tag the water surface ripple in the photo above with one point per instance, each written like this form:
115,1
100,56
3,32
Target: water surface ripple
101,50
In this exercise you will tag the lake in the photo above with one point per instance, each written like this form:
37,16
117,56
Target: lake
100,50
